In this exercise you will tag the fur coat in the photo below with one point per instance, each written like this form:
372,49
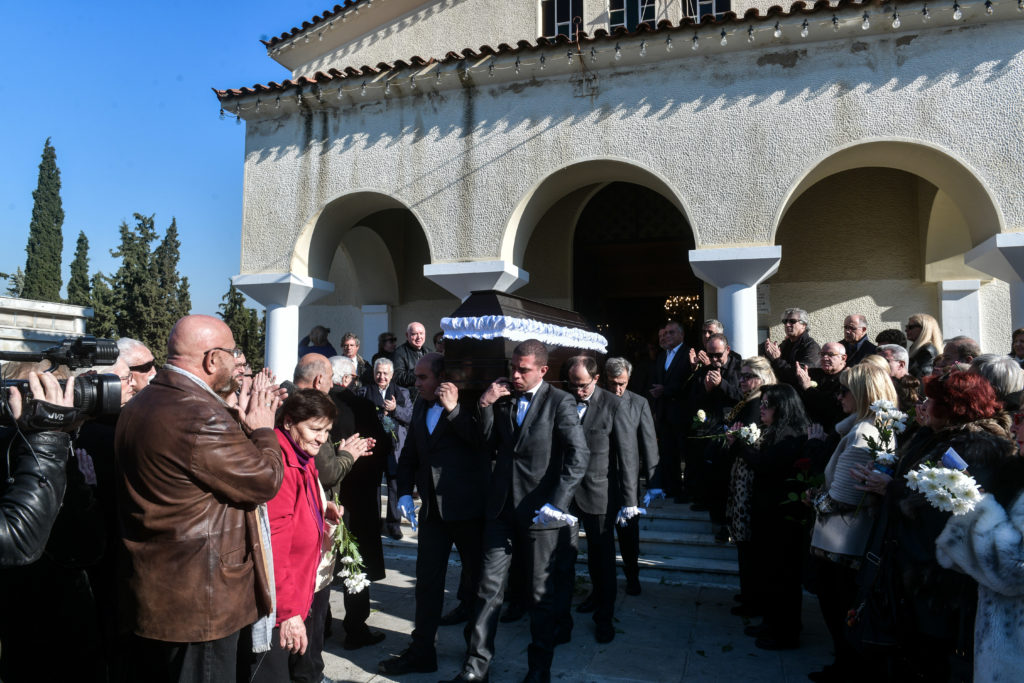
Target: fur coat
988,545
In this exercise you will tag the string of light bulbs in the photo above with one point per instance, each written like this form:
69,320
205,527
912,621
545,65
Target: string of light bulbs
486,64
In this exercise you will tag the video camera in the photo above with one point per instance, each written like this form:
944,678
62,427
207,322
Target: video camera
95,395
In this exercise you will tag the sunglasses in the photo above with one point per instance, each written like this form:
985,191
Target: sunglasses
716,355
792,321
145,367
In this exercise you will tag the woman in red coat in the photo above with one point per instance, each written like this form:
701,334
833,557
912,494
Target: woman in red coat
297,530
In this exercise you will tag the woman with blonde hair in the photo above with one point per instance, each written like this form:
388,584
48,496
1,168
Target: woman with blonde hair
845,514
877,361
926,342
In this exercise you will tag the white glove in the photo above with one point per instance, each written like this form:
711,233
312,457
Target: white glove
549,513
628,513
408,509
652,495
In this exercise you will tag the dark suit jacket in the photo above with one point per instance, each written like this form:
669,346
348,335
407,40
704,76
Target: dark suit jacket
401,415
803,350
543,461
638,412
614,467
669,406
405,360
855,355
448,466
719,401
821,402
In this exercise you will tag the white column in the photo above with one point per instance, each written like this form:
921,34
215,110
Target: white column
462,278
1002,256
736,272
961,308
282,294
376,319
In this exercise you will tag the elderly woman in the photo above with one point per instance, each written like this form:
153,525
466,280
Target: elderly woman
298,516
1004,374
797,347
845,514
936,606
755,373
925,338
777,534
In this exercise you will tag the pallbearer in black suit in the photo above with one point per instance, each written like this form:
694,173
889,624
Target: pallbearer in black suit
541,457
668,389
442,459
617,372
609,489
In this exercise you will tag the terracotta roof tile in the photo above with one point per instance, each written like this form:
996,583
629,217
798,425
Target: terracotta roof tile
664,26
316,20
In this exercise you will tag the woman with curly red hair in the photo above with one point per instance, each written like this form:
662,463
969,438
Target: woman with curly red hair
933,608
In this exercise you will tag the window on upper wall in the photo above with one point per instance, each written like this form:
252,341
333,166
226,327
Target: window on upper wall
630,13
561,17
695,9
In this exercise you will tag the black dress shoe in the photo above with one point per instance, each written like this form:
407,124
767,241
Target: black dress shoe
604,632
773,643
467,677
512,613
588,605
537,676
395,533
407,663
354,641
633,587
458,615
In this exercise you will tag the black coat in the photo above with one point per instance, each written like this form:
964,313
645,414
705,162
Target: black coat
541,462
855,355
405,360
448,466
670,406
922,362
822,402
803,350
401,416
614,467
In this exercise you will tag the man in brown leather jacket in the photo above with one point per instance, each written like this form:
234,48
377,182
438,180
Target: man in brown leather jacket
191,472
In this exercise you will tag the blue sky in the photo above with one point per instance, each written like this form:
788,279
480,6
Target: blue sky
124,91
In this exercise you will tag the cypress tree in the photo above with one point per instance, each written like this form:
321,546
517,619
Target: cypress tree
45,241
78,284
245,324
136,297
104,319
173,289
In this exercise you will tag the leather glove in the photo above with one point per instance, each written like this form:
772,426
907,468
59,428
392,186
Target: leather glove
628,513
549,513
652,495
408,508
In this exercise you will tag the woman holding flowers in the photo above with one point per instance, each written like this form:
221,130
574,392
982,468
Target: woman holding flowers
298,516
934,607
845,514
777,535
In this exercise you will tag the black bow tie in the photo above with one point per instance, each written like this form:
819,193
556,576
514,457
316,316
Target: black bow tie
583,401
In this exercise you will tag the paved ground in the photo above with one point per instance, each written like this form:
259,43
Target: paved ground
669,633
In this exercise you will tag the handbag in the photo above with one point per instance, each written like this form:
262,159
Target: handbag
843,533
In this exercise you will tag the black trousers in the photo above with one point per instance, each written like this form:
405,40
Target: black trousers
212,661
671,449
315,625
551,553
601,563
837,594
394,515
629,548
436,537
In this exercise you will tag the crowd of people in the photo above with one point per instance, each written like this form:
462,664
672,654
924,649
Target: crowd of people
192,537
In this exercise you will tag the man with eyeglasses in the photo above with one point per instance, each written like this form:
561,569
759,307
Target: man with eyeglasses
819,387
855,339
134,367
797,347
191,471
608,491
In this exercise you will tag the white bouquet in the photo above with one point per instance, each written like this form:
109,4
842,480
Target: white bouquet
352,570
890,421
749,435
947,487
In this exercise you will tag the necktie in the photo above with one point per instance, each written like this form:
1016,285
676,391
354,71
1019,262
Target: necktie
522,405
433,417
581,409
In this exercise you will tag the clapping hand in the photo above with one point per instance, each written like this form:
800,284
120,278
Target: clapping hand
712,379
815,432
356,446
771,349
390,404
803,376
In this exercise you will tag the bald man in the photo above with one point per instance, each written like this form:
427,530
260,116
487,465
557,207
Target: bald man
408,355
191,471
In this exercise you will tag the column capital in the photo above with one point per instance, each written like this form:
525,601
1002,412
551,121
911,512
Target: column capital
282,289
461,278
747,266
1001,256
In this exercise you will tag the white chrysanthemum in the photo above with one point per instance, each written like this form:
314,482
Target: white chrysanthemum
962,507
882,405
929,485
347,560
701,415
942,500
886,458
899,427
913,478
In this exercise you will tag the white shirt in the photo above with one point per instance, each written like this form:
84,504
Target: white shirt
670,354
523,403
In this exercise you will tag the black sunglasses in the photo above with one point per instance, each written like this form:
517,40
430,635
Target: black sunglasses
792,321
145,367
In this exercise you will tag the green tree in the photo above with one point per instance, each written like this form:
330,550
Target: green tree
173,290
45,241
104,319
78,284
17,282
247,327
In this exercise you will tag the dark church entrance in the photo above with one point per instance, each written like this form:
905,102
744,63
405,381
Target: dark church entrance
631,270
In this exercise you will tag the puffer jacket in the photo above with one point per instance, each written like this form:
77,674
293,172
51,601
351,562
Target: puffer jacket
189,480
31,493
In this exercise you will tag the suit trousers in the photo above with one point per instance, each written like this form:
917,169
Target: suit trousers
212,661
436,537
629,548
551,554
394,515
601,563
671,446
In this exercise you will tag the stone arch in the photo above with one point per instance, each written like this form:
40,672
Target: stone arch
581,180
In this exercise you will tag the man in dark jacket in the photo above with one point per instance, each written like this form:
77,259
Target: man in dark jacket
408,354
797,347
191,471
855,339
819,387
670,381
442,458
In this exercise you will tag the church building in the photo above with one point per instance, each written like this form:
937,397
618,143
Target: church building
635,159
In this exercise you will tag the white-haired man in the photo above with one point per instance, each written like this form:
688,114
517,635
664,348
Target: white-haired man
898,359
134,367
408,354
